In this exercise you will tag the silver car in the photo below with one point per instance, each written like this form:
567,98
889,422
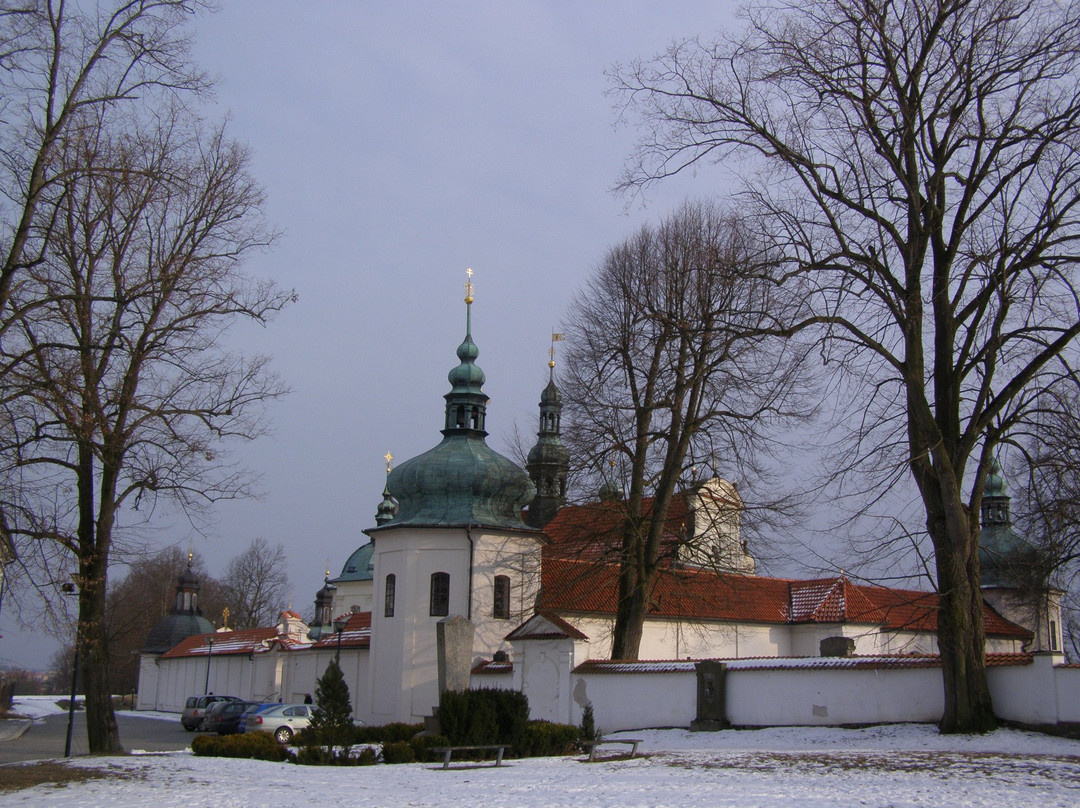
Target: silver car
284,720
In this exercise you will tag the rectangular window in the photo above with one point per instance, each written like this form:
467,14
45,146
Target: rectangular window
1053,635
502,597
440,594
391,586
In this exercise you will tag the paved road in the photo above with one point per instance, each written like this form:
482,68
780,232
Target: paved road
45,738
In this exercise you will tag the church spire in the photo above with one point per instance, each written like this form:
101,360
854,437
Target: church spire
549,461
466,403
387,509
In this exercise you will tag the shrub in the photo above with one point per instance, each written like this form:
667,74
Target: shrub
321,756
398,752
545,739
485,716
367,757
423,744
256,745
387,733
589,732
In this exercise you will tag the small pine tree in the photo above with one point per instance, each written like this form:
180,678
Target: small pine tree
331,720
589,732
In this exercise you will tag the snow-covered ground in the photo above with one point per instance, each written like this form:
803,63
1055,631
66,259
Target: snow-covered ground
909,765
41,706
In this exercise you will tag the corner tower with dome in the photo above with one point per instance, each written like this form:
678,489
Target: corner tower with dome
457,545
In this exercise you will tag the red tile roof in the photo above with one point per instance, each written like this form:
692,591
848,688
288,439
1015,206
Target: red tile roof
586,587
225,642
545,626
357,634
594,531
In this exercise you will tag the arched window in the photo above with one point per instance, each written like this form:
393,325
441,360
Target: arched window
391,591
502,597
440,594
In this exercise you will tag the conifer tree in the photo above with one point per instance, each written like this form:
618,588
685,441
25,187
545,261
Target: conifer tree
332,717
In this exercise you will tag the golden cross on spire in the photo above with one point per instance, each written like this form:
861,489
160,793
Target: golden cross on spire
389,458
468,285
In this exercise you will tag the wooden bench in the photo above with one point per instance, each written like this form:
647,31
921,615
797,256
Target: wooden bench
449,750
591,746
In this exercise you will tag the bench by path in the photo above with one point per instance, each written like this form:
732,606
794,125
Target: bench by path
449,750
591,746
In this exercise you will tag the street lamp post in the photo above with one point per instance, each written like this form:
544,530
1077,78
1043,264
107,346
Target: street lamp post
69,589
339,626
209,654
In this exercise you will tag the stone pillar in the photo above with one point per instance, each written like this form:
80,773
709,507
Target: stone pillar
454,636
711,697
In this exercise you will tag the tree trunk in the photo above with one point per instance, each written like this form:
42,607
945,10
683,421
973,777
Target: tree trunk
102,732
961,636
629,620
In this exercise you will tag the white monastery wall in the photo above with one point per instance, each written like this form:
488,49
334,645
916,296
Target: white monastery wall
808,696
636,700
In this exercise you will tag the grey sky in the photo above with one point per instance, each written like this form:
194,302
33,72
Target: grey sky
400,142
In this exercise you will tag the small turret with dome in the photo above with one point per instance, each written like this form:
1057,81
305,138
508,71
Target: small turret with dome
462,481
185,618
1006,558
549,460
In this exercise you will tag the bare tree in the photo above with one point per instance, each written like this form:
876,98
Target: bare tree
120,389
256,584
917,162
64,68
140,599
668,369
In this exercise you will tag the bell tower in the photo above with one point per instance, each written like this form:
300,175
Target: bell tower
549,461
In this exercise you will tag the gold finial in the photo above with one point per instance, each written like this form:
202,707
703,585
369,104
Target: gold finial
468,285
225,617
389,459
190,556
555,337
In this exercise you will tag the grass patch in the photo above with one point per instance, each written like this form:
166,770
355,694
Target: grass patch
18,776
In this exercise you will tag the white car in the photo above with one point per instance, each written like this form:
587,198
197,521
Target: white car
284,720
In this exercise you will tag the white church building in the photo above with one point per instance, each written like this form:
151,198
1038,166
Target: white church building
466,538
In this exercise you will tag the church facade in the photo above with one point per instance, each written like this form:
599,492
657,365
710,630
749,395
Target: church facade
464,532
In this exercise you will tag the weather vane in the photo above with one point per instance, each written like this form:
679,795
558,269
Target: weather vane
555,337
389,458
469,285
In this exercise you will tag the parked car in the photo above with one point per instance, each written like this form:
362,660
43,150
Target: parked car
195,709
241,725
224,716
283,720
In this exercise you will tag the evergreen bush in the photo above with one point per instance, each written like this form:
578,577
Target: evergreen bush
483,717
256,745
386,733
589,731
423,744
331,720
398,752
547,739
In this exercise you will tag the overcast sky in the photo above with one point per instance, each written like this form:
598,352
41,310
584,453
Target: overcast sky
399,143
